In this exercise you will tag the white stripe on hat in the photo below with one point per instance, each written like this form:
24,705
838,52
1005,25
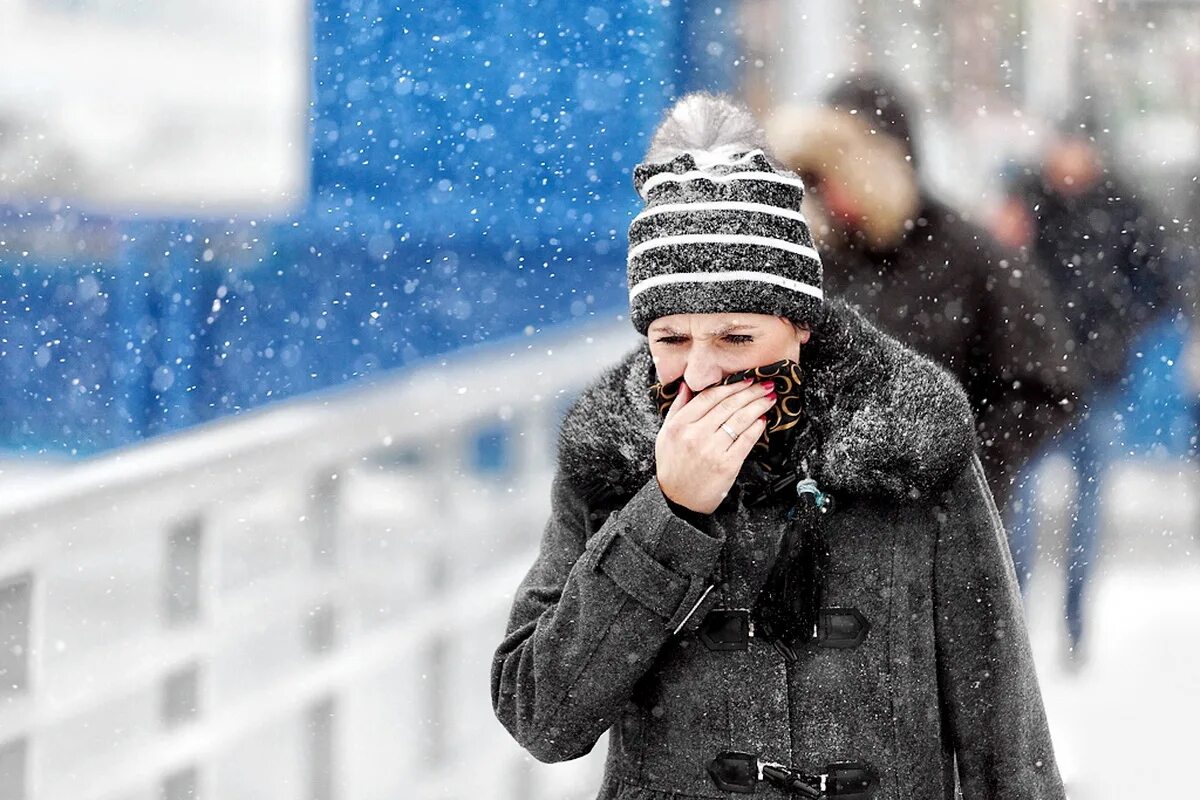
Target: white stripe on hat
722,156
724,277
722,205
723,238
673,177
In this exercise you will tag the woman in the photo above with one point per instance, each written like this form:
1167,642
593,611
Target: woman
802,592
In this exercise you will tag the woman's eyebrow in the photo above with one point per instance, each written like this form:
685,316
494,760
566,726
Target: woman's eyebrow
744,326
669,331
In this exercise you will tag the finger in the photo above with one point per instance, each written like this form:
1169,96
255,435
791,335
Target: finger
731,405
744,417
680,400
744,443
704,401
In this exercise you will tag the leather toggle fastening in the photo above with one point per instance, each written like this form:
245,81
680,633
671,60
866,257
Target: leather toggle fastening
740,773
849,780
734,772
725,629
841,628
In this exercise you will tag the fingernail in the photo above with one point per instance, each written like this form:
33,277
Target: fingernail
768,385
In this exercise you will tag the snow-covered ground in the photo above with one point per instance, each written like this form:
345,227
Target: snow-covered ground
1126,723
1124,719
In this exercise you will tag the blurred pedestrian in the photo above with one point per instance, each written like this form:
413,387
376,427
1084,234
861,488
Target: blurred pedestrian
1103,251
927,275
772,563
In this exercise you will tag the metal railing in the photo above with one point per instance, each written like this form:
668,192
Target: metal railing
298,602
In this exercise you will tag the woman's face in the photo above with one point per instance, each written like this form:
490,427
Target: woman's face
704,348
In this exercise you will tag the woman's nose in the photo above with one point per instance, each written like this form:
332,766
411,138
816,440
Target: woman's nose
700,373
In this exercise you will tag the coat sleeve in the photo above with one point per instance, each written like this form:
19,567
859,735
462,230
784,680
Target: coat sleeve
989,691
592,613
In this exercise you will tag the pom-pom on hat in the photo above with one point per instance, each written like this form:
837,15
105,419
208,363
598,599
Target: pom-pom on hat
722,229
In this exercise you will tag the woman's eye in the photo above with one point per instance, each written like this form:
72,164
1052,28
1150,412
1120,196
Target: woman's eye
738,338
670,339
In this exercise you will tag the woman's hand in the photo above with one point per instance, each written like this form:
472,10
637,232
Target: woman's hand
706,437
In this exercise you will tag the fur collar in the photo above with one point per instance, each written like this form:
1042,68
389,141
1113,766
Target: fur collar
895,425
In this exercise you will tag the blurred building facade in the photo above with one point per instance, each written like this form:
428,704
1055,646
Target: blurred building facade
183,242
467,175
994,76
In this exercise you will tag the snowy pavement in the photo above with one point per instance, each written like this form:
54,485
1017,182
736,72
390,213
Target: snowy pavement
1124,721
1126,724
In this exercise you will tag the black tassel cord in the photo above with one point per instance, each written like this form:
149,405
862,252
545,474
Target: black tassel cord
788,609
789,606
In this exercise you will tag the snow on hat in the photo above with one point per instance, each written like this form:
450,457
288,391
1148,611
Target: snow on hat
722,229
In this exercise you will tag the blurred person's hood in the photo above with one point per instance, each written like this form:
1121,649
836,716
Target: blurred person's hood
868,185
880,103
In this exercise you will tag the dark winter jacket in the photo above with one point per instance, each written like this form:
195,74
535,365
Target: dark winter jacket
991,318
948,290
923,655
1104,255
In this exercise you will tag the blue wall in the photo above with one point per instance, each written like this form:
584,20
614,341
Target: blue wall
470,178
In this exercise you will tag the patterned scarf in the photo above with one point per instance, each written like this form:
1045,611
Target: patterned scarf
784,419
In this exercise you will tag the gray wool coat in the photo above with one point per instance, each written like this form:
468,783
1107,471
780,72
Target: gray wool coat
605,629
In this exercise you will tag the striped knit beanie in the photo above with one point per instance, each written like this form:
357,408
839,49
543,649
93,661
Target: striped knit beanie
722,229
